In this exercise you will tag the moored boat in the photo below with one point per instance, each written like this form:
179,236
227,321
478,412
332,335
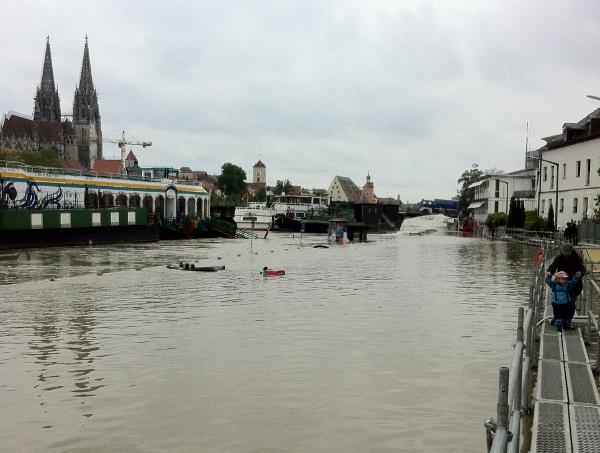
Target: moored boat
285,212
42,206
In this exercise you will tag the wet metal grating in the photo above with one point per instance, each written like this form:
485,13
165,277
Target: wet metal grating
550,428
551,347
581,384
552,384
575,349
585,428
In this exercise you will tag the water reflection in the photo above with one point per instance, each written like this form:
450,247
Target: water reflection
84,347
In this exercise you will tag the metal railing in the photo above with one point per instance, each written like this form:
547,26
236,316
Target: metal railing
591,296
532,236
57,171
503,434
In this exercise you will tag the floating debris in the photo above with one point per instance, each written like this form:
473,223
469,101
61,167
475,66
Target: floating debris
193,267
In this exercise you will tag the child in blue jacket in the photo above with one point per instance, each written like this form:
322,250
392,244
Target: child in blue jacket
561,299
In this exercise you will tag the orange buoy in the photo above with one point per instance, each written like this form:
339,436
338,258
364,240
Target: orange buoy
538,257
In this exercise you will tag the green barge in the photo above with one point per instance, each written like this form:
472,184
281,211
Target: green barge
26,228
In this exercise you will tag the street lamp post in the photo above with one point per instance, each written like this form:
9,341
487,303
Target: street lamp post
556,202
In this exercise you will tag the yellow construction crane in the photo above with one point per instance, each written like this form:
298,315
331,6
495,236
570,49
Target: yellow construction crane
122,145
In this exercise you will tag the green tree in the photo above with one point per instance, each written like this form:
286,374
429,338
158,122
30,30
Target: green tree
520,222
260,195
498,217
232,181
533,222
282,187
550,224
465,195
512,214
43,158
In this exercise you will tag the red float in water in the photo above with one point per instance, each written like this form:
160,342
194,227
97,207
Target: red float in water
268,272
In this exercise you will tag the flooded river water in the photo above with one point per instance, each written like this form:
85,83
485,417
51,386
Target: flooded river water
390,345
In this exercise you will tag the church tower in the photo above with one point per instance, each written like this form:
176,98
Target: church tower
368,192
86,115
259,173
47,104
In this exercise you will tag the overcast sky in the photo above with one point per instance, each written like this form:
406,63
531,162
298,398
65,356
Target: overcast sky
413,92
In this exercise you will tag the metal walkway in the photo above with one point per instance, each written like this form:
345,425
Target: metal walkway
567,408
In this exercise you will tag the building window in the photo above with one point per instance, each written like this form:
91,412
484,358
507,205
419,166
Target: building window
552,177
588,168
497,188
574,205
585,207
561,205
564,171
578,169
543,205
495,206
545,174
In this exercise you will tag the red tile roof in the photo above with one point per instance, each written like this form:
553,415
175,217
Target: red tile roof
17,125
131,156
107,166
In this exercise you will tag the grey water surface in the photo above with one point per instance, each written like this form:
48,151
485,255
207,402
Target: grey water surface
390,345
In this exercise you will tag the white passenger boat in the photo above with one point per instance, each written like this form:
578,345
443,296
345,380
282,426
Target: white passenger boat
264,216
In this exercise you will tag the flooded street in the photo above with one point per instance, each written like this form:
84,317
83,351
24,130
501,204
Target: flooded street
390,345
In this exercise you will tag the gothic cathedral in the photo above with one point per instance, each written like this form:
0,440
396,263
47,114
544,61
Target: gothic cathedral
79,139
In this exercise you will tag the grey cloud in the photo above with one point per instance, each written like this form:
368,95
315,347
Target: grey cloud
413,92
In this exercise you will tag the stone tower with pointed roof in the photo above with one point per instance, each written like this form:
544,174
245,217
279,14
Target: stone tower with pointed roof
259,173
46,128
47,104
86,115
368,191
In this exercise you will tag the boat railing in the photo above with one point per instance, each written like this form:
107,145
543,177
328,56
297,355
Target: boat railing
57,171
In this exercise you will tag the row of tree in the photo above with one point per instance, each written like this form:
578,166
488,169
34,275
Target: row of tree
43,158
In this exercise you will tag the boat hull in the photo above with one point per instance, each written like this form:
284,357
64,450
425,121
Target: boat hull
18,239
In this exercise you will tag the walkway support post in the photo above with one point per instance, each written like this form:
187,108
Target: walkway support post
597,364
501,437
586,299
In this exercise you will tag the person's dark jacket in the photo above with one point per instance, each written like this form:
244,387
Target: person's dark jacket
570,263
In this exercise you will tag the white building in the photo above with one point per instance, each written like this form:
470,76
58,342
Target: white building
569,170
493,193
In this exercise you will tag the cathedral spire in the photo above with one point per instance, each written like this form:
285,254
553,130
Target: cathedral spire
86,85
47,71
47,104
86,114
